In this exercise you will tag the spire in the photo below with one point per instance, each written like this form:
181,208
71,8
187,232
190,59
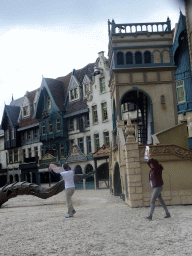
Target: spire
12,96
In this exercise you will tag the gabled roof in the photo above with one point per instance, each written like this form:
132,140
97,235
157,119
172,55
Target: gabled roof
10,115
87,70
180,27
57,90
28,121
17,102
76,107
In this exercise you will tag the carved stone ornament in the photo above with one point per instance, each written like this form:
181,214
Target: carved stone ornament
89,96
167,150
130,131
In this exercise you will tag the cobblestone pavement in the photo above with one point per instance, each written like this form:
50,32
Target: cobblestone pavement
103,225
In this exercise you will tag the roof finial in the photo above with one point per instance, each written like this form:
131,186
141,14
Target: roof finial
12,96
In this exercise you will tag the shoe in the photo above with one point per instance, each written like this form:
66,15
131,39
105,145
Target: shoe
74,211
67,216
149,217
168,215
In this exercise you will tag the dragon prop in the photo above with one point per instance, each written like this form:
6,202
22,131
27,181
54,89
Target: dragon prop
24,188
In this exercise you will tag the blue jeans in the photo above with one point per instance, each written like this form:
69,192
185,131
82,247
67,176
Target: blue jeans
157,195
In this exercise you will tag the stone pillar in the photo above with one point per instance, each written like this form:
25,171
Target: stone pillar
133,168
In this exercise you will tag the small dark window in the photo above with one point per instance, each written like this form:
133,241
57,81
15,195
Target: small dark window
120,58
129,58
138,58
147,57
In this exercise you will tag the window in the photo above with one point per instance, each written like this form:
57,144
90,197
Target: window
10,157
71,124
43,128
81,144
71,142
15,155
74,94
35,134
24,155
96,140
29,152
180,91
54,149
147,57
12,133
95,116
106,139
36,151
50,127
86,88
49,103
25,111
88,139
58,127
87,123
28,135
62,150
80,124
129,58
102,84
7,135
104,111
120,58
138,58
23,136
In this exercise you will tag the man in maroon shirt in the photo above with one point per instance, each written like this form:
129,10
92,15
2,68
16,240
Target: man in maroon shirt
156,182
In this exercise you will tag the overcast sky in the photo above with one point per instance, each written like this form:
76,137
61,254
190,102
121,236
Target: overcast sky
50,38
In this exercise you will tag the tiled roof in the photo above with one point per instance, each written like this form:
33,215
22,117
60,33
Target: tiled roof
27,121
13,113
76,107
87,70
57,90
17,102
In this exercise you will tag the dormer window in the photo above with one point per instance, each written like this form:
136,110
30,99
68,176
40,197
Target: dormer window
86,88
49,103
25,111
74,94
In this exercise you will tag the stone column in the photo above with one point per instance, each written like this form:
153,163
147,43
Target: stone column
133,168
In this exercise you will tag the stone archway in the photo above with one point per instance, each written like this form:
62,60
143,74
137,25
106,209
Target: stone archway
90,182
138,105
17,177
78,170
117,181
103,175
3,180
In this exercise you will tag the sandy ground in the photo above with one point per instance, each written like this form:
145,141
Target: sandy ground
103,225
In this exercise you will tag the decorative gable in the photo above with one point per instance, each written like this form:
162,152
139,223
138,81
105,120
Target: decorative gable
86,80
73,83
75,155
25,109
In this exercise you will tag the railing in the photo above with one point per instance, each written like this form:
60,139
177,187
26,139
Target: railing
128,28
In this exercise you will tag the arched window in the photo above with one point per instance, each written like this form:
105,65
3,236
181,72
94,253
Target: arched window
147,57
129,58
120,58
138,58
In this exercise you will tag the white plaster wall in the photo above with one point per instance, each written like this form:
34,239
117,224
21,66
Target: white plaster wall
98,99
2,153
